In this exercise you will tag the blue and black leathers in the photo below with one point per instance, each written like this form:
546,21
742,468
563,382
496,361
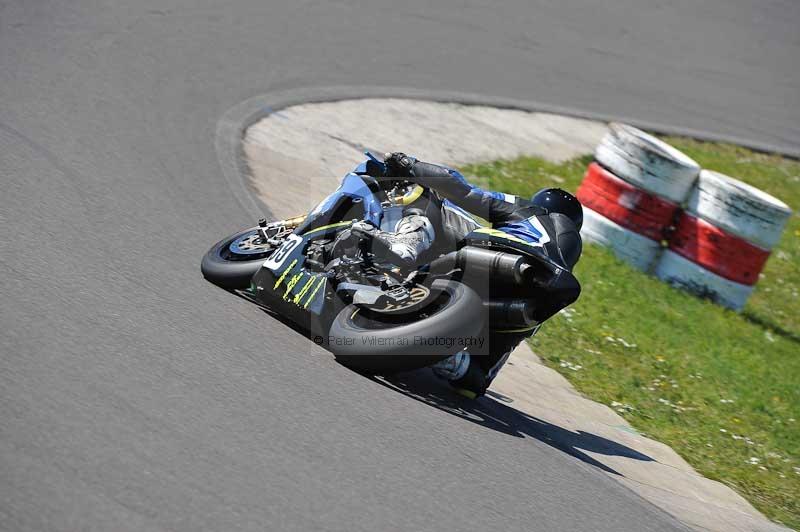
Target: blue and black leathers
554,233
517,216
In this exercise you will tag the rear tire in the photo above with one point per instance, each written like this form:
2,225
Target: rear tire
230,270
377,343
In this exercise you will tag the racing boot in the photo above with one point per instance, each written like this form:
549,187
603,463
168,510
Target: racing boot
472,375
463,373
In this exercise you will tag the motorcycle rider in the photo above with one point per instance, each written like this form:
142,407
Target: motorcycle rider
551,220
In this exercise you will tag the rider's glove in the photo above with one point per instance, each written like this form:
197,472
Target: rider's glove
398,164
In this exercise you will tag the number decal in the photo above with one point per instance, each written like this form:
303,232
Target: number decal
279,256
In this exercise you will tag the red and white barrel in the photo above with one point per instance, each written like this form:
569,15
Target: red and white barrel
631,207
635,249
739,208
723,239
632,193
647,162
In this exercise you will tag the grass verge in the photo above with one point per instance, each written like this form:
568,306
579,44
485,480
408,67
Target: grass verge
721,388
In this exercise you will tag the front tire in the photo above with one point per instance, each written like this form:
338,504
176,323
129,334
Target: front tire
379,343
229,269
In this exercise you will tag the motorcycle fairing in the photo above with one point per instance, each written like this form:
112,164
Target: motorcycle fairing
283,282
287,285
355,199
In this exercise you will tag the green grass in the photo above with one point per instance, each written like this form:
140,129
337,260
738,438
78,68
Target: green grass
721,388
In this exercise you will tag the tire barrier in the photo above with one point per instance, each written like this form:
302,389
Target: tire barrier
739,209
647,162
682,273
634,190
726,233
717,250
626,205
716,247
635,249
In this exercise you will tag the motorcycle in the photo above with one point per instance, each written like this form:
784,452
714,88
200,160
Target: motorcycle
378,313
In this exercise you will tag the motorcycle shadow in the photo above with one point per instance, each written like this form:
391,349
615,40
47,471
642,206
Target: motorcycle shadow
493,411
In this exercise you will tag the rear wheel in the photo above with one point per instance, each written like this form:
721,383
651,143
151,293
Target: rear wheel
401,339
232,262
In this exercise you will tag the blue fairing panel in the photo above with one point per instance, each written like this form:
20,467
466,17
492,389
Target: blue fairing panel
523,229
353,186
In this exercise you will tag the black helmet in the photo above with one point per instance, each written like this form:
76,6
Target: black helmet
561,201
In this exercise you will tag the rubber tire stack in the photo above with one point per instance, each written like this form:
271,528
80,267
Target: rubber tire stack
632,193
723,239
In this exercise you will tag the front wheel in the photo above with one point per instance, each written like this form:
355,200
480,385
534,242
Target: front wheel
449,321
232,262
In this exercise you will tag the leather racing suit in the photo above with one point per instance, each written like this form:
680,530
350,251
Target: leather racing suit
410,231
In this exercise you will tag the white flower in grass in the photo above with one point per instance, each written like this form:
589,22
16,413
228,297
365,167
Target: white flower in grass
622,407
567,313
753,460
625,344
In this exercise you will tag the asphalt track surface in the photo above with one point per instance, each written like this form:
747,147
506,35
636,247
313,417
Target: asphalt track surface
136,396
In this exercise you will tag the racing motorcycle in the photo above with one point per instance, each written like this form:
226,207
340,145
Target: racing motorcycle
376,312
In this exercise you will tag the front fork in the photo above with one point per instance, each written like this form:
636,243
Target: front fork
279,229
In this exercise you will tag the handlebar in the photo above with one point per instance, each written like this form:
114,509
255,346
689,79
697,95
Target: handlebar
380,174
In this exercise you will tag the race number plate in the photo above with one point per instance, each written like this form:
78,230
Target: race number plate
277,259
